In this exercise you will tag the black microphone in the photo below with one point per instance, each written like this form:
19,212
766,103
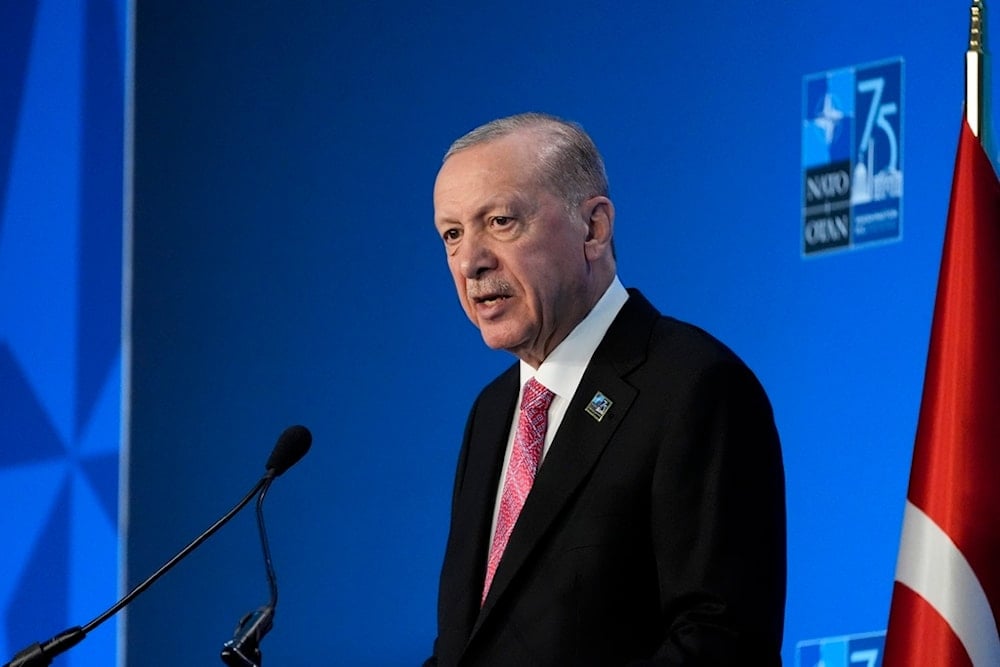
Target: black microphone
243,650
292,445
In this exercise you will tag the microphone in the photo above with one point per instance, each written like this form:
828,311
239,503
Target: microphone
292,445
243,650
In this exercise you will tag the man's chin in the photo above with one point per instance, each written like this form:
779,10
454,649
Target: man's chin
518,346
496,344
501,340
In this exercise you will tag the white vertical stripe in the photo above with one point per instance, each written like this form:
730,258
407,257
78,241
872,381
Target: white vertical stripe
931,565
125,442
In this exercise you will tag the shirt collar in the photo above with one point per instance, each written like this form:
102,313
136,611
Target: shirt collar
563,368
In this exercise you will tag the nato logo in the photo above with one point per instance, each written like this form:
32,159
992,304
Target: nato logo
852,157
864,650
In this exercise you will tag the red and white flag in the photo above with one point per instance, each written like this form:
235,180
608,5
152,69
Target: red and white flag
946,598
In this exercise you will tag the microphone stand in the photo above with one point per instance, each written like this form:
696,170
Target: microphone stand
292,445
243,650
40,654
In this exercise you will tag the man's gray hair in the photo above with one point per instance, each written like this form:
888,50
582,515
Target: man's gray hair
568,159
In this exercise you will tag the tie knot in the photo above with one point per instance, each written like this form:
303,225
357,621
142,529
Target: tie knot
537,397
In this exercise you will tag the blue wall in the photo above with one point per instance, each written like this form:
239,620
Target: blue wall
286,271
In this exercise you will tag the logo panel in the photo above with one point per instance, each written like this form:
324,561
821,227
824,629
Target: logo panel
863,650
852,157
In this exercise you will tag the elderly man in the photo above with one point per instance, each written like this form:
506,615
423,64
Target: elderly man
619,497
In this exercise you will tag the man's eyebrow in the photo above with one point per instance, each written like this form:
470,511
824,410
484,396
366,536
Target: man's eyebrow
506,203
510,203
445,220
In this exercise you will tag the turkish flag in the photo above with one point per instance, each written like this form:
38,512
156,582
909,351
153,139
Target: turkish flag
946,598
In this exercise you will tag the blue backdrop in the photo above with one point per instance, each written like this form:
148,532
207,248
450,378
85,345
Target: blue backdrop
62,90
285,270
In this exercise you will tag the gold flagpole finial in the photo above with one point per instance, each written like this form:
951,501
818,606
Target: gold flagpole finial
974,64
976,27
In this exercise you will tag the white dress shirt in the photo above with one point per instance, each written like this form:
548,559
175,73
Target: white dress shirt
563,369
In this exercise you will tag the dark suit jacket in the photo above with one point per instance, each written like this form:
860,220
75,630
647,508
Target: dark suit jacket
655,534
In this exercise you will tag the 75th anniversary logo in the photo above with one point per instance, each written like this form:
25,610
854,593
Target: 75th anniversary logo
852,157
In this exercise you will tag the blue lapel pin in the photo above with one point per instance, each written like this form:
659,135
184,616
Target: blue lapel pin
599,406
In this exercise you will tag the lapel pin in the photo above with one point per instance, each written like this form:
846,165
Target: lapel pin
599,406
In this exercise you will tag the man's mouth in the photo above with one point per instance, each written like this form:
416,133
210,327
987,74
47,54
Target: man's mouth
489,292
490,299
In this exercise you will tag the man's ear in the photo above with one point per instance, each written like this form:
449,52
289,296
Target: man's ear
599,214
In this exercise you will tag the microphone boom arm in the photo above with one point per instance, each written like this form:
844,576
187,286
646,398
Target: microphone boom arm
243,650
41,654
292,445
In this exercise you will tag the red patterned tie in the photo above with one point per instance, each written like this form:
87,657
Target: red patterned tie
524,459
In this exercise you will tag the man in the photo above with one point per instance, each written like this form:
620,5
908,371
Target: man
652,530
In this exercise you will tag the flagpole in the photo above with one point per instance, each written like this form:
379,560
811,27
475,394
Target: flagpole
976,73
975,58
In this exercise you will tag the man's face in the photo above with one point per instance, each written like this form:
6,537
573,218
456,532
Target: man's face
516,254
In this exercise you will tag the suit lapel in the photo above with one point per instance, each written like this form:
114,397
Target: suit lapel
580,440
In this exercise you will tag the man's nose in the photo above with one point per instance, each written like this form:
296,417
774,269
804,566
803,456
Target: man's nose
476,257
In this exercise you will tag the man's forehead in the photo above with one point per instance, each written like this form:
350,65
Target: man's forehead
520,146
510,158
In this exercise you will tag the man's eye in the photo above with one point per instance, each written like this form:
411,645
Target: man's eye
501,221
451,235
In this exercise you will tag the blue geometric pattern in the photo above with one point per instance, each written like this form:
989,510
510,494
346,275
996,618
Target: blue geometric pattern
61,167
